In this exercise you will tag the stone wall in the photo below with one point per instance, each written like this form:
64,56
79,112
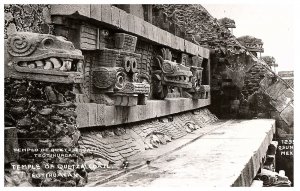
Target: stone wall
242,86
29,18
147,55
252,79
115,144
288,76
43,114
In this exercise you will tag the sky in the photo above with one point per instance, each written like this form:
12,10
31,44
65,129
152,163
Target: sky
273,23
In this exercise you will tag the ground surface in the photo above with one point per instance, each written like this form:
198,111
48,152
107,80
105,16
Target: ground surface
226,155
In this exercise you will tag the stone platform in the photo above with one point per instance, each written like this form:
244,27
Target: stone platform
225,155
92,114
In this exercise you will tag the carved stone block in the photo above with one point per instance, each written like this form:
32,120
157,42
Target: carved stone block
125,42
125,100
96,11
204,90
115,15
42,57
197,61
108,57
88,37
116,76
184,59
105,78
171,74
106,13
11,143
124,20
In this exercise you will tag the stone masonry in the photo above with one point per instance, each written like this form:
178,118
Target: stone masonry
128,44
42,112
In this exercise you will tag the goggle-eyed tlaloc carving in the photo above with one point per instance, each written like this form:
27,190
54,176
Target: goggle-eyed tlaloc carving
117,74
42,57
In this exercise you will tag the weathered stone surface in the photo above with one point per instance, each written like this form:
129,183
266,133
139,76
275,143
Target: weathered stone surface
289,93
276,90
120,142
284,127
11,28
115,16
288,114
10,143
96,12
25,59
69,9
138,22
266,82
281,102
160,35
169,38
106,13
124,20
245,163
251,43
115,115
31,18
131,23
39,100
47,15
83,113
181,44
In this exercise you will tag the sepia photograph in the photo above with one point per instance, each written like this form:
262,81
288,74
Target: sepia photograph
148,95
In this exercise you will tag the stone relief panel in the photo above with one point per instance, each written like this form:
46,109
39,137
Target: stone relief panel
42,57
118,73
115,74
42,74
172,79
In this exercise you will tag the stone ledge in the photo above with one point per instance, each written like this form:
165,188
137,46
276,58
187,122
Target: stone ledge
118,18
92,114
220,157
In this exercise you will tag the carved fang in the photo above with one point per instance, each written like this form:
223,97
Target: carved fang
39,64
69,65
23,64
63,67
48,65
31,65
79,66
56,63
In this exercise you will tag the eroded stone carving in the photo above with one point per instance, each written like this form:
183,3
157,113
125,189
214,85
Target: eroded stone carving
227,22
177,79
116,77
204,91
169,75
42,57
197,70
251,43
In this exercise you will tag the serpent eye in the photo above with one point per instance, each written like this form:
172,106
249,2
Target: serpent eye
48,42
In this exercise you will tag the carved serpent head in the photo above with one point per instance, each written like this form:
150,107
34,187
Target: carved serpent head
172,73
251,43
227,22
43,57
